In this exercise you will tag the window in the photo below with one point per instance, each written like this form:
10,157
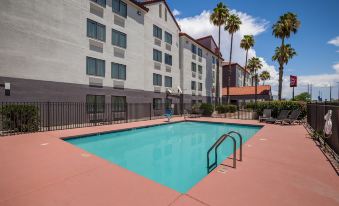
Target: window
160,10
213,75
199,52
200,69
168,59
194,49
118,104
157,55
100,2
95,103
165,14
119,39
194,67
157,32
95,67
157,79
168,81
118,71
193,102
119,7
157,103
168,38
193,85
213,60
200,86
96,30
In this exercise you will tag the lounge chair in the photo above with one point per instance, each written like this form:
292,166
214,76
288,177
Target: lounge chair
267,113
191,115
292,118
282,115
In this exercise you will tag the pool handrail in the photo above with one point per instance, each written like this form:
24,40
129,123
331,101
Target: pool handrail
216,145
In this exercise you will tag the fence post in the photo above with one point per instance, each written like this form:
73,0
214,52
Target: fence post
48,123
150,111
126,113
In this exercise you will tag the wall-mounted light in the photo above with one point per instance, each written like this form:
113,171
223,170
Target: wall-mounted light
139,13
7,87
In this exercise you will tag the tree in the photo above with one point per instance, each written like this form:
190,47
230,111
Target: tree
232,26
265,75
254,64
286,25
218,18
305,96
282,55
246,43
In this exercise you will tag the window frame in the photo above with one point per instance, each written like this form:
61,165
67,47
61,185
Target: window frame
157,102
199,52
157,79
95,109
118,107
96,73
168,59
157,32
120,67
193,65
194,49
119,12
97,25
200,86
167,34
193,85
156,55
170,79
199,69
120,34
98,2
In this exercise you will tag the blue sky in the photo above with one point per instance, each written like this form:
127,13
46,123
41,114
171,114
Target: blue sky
319,24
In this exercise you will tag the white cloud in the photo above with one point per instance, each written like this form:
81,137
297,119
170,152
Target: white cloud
336,67
334,41
176,12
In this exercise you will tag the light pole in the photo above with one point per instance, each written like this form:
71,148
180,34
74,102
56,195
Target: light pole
338,90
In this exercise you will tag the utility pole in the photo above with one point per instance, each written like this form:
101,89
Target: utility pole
338,90
330,92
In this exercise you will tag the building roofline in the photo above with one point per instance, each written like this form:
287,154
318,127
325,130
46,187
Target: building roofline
138,4
209,36
168,8
234,63
196,41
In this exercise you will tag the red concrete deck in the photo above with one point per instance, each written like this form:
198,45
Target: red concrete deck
281,166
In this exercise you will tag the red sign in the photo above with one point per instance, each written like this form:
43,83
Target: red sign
293,81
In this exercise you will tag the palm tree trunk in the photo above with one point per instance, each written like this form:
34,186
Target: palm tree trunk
217,92
281,73
229,72
256,87
245,68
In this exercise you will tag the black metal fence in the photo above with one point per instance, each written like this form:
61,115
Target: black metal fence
315,118
24,117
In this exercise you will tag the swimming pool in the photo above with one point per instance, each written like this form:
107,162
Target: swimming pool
172,154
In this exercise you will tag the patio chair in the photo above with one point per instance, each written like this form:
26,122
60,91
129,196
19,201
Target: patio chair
282,115
292,118
191,115
267,113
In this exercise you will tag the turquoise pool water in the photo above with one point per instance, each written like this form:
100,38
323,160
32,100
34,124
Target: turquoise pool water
173,154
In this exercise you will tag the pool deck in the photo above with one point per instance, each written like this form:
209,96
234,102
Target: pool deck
281,166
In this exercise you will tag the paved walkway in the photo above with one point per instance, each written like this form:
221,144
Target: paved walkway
281,166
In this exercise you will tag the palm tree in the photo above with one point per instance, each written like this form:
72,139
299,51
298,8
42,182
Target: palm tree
254,64
246,43
265,75
282,55
218,18
286,25
232,25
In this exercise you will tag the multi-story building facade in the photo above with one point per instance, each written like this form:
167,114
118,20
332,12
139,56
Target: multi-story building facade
198,69
237,75
98,51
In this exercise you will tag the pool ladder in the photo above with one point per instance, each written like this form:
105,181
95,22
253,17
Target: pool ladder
211,167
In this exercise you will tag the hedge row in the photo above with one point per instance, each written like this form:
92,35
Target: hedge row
20,118
277,106
226,108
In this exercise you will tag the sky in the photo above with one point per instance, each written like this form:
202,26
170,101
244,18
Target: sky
316,42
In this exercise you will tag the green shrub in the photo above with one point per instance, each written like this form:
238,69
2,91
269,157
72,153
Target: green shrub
20,118
230,108
277,106
196,109
206,109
